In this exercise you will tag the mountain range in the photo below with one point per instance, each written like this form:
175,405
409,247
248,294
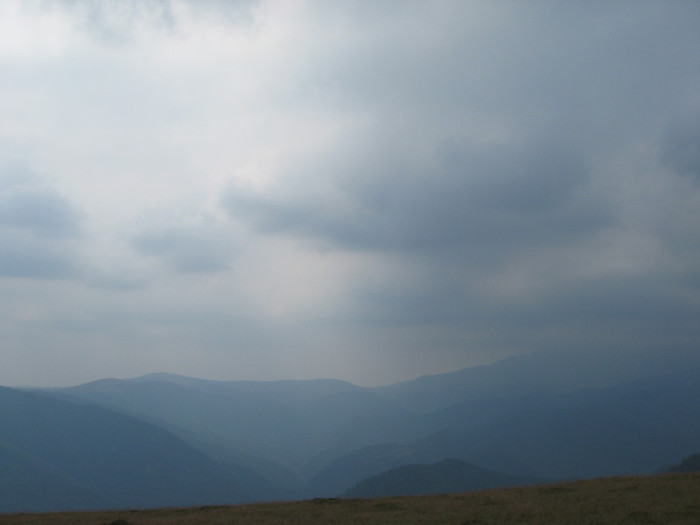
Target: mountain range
168,440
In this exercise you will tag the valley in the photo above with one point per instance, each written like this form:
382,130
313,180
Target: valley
170,441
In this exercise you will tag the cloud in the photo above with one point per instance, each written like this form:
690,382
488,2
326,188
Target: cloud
38,227
458,200
681,147
320,188
525,187
40,211
26,257
114,22
186,251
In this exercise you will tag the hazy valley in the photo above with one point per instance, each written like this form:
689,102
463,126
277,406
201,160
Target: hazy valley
163,440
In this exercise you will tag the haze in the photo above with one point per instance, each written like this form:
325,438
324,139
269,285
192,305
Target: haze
368,191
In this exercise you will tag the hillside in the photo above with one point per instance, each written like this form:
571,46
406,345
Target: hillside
279,423
662,499
27,483
550,372
444,477
60,455
630,428
689,464
319,438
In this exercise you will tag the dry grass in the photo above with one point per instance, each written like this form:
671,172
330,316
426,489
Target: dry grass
665,499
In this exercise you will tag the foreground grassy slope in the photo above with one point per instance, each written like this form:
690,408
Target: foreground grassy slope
663,499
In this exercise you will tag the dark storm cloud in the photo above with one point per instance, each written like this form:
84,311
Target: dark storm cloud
565,89
464,201
516,169
186,251
534,64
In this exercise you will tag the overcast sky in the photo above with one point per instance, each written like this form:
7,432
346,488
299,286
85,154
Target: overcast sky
365,190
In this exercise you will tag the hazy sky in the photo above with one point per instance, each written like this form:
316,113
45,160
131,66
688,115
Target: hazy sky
366,190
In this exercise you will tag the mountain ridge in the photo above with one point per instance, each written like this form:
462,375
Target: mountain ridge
317,438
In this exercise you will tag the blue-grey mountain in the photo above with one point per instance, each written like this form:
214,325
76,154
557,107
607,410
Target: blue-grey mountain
537,416
57,455
446,476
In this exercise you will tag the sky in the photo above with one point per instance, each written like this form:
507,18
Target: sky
369,191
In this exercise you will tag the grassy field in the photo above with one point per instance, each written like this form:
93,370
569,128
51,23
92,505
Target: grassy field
663,499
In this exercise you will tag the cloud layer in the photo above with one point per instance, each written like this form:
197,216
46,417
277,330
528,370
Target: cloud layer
368,191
